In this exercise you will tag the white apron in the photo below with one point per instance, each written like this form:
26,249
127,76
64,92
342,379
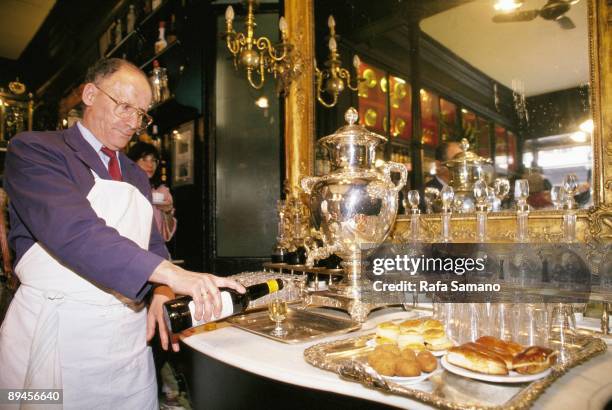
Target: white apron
63,332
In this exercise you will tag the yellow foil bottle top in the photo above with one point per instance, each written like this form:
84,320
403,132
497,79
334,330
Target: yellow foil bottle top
272,285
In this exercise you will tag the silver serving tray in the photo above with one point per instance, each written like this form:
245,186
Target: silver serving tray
301,325
443,390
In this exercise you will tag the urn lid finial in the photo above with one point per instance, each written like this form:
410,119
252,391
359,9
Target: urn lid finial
351,116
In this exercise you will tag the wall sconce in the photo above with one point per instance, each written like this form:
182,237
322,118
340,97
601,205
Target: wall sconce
258,55
333,78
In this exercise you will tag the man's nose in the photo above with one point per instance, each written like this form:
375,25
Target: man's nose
134,121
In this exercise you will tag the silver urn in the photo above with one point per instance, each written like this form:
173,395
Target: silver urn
354,204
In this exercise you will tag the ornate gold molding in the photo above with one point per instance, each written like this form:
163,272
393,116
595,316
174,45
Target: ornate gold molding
594,224
299,103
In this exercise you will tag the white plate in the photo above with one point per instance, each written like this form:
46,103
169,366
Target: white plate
437,353
512,377
411,380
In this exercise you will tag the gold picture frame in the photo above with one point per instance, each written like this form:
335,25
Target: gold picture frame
593,224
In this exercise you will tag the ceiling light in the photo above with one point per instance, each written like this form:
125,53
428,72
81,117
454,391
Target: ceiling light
587,126
507,5
579,136
262,102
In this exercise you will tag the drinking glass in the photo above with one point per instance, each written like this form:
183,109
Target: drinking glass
562,331
277,311
533,324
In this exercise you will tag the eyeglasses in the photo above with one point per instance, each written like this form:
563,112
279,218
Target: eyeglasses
127,111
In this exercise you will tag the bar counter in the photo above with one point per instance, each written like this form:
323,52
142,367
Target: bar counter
232,367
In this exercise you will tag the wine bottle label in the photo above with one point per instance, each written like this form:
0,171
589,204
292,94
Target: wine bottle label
227,309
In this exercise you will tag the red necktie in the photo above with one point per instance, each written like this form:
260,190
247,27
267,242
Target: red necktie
113,165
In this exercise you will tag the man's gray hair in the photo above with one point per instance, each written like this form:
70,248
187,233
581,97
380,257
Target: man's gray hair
106,67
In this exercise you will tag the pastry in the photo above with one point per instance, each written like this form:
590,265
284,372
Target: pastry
410,338
384,365
431,324
408,354
411,324
427,362
387,348
510,347
407,368
386,333
534,359
476,360
436,340
500,353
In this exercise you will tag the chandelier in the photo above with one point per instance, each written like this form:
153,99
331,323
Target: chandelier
333,78
259,55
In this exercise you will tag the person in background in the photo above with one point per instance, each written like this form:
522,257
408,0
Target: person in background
146,156
444,152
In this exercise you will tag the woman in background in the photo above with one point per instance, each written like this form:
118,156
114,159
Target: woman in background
147,158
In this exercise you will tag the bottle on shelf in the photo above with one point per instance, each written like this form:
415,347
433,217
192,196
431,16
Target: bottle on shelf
179,313
161,42
130,20
118,31
171,35
158,77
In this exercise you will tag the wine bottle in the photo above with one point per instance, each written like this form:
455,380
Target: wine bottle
161,42
171,31
179,313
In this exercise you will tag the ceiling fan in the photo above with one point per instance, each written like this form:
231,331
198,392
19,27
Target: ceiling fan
553,10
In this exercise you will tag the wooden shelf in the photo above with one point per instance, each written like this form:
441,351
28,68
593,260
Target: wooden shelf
160,54
138,29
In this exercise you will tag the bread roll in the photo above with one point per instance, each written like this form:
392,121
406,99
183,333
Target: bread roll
435,339
427,361
476,360
409,338
411,324
431,324
502,354
386,333
534,359
407,368
493,342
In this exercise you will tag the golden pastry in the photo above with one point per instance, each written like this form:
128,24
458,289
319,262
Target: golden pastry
427,361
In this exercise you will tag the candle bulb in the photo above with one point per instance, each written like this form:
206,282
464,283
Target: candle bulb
356,61
331,23
282,25
229,14
332,44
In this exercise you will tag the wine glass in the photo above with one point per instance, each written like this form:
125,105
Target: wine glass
277,311
431,195
557,196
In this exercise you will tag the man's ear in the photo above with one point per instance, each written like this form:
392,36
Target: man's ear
89,94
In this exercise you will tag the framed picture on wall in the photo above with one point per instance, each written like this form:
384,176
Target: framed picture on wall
182,154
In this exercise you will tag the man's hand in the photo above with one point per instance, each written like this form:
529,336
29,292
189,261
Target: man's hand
202,287
155,317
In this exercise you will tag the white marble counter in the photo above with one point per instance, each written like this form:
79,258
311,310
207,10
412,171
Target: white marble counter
588,386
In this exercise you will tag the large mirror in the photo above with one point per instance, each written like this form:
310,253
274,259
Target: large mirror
511,78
